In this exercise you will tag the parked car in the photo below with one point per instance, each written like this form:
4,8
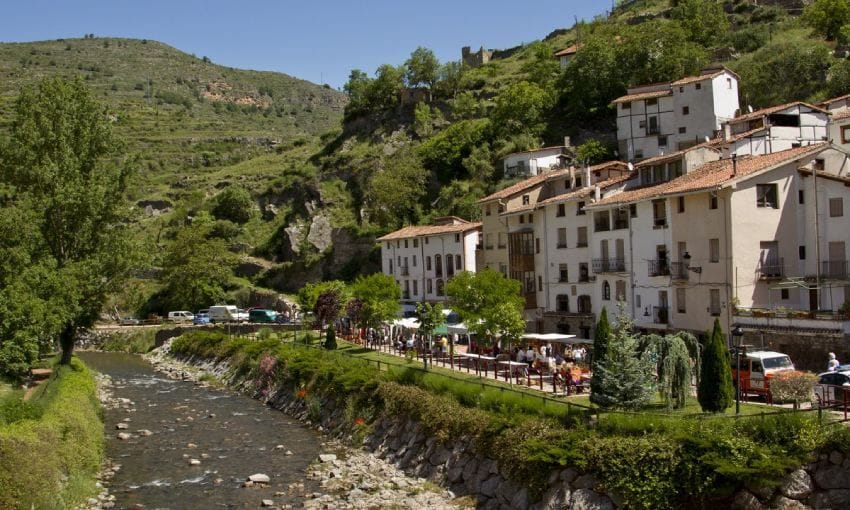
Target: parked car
262,315
202,317
834,385
226,313
130,321
758,367
181,316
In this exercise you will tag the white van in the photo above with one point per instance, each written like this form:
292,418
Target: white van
225,313
180,316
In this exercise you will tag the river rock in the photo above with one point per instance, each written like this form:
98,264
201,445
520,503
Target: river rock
268,502
586,499
259,478
122,426
327,457
520,499
783,503
194,462
489,486
745,500
191,445
124,436
836,457
587,481
145,432
797,485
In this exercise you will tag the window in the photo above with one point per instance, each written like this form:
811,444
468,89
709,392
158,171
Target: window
414,261
637,300
391,266
766,196
639,154
714,250
522,218
620,290
582,237
562,303
801,197
487,210
501,208
578,181
683,130
458,263
438,265
653,126
389,245
801,250
415,245
698,86
712,201
580,209
681,89
583,272
784,294
563,273
714,302
729,83
845,134
429,286
681,204
584,306
659,214
502,240
651,102
531,218
399,260
601,221
439,287
621,218
426,240
405,243
457,238
606,291
526,200
662,141
633,210
819,164
537,246
562,210
680,300
562,238
488,244
836,207
625,106
415,287
686,110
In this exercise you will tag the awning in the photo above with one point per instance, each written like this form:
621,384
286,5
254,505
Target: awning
459,328
549,337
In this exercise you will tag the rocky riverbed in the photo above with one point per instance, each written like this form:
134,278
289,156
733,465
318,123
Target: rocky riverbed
339,477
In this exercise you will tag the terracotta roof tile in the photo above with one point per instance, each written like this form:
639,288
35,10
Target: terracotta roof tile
429,230
711,175
825,104
642,96
710,75
772,109
583,192
518,187
570,50
841,115
675,155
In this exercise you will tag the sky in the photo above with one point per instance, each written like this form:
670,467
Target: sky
319,41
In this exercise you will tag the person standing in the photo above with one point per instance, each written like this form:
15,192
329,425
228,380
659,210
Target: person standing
832,364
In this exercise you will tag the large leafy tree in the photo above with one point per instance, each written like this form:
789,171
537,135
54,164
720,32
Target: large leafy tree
673,356
490,304
422,68
430,316
764,74
703,20
715,385
380,295
396,190
626,373
520,109
66,165
827,17
234,203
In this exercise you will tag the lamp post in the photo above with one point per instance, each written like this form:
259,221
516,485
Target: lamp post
738,334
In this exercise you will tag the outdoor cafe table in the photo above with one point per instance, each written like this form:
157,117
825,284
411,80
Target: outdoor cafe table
479,358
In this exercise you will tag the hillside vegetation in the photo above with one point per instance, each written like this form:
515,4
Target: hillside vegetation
319,174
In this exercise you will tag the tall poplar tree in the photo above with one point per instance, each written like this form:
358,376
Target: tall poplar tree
601,342
715,393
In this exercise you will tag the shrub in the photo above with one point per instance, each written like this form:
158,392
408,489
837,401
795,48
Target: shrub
793,386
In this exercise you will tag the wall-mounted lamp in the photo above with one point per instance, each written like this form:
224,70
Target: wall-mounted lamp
646,311
687,258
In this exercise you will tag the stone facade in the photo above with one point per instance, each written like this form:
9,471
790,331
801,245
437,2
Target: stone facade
476,59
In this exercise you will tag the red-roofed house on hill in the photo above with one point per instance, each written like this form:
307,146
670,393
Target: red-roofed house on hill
668,117
423,258
775,129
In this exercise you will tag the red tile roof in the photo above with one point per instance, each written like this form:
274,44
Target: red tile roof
773,109
711,175
642,96
825,104
709,74
570,50
520,186
841,115
430,230
675,155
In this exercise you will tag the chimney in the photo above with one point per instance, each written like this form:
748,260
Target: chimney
727,131
587,176
597,193
734,165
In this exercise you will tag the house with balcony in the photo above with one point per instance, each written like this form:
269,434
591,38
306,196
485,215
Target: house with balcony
423,258
775,129
537,161
667,117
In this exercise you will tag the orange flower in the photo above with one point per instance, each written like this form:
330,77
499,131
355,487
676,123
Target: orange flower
302,392
359,421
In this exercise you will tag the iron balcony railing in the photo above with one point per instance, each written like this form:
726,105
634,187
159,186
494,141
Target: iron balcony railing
661,314
679,271
771,268
609,265
403,271
659,267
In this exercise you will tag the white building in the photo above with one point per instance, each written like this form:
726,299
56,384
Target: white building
423,258
668,117
537,161
565,55
775,129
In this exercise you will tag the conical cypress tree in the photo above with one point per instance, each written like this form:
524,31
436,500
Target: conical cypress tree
715,392
601,346
330,339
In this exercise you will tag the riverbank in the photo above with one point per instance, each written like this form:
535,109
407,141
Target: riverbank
51,447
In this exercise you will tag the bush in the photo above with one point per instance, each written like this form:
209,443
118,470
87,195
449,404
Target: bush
793,386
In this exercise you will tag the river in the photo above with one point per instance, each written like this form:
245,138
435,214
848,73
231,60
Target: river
203,443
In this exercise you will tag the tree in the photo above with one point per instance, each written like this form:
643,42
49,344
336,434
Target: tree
309,294
489,303
451,75
395,191
626,375
444,152
357,88
703,20
838,81
421,68
520,109
764,73
430,316
827,17
479,164
384,90
423,122
674,355
592,152
601,342
715,385
541,68
327,308
380,295
196,269
354,312
465,106
330,338
234,203
66,165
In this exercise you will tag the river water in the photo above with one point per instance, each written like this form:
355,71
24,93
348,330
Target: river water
233,437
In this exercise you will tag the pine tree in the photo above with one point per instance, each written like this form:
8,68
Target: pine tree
601,342
626,380
715,386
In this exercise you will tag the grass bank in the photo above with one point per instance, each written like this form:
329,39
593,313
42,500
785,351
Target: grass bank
651,461
51,447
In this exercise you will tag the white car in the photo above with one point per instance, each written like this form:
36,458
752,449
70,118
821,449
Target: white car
834,387
130,321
